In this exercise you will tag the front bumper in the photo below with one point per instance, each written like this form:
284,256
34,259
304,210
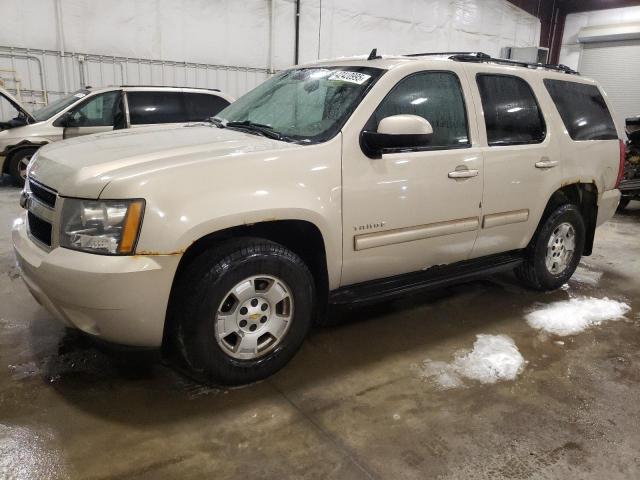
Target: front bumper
121,299
607,206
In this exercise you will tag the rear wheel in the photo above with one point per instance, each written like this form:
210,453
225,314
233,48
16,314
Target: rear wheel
18,163
555,251
242,311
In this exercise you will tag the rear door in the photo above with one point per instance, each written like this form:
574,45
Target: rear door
521,169
98,113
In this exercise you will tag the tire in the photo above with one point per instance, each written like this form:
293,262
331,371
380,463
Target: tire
535,272
624,202
17,165
204,296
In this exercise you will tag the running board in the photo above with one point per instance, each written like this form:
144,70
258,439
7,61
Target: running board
417,282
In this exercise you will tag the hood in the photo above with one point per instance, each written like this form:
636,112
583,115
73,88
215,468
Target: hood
83,166
17,105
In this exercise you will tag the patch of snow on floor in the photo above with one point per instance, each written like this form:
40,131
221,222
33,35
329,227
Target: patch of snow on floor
493,358
586,276
572,316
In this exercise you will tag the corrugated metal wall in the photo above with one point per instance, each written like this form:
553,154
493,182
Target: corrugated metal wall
33,73
229,44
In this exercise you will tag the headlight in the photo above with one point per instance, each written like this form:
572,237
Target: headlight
31,162
108,227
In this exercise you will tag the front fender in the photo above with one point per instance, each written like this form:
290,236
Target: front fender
30,142
184,205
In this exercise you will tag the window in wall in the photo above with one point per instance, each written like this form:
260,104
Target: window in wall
97,111
201,106
583,111
434,96
511,112
147,108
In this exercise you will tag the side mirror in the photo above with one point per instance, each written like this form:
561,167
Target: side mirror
396,133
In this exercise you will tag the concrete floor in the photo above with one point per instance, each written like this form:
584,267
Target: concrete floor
352,404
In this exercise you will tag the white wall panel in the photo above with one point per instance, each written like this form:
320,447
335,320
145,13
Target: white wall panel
219,35
355,27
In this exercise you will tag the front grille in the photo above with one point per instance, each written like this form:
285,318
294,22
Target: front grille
42,193
39,229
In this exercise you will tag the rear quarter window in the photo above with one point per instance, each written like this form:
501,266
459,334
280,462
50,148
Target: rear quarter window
201,106
583,110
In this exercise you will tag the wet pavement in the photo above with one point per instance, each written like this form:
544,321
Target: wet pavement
354,403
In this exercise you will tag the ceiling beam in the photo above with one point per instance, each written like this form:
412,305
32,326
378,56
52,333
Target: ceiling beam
574,6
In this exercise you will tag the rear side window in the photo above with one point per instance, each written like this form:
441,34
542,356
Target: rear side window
511,113
156,107
434,96
201,106
584,113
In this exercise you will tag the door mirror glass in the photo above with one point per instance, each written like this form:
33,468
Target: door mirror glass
395,134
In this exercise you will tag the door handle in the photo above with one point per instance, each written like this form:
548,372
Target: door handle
546,163
463,174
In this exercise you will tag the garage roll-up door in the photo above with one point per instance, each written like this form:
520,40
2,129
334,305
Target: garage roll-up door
616,65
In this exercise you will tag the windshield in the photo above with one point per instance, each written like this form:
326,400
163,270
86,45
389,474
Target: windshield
307,105
50,110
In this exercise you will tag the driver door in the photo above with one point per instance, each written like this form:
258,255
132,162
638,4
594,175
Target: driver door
97,114
410,209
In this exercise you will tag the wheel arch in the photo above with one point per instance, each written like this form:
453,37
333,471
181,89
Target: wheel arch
300,236
11,150
585,197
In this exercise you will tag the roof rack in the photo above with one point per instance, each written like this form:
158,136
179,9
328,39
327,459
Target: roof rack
483,57
168,86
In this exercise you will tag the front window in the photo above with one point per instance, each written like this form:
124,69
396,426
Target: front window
305,105
45,113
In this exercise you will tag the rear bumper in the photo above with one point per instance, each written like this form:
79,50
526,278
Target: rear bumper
119,299
607,206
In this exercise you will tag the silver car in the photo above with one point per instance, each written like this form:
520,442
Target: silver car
94,110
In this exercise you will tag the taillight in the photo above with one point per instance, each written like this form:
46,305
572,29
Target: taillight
621,167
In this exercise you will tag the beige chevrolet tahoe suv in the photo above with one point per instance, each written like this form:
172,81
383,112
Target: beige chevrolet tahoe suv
93,110
342,182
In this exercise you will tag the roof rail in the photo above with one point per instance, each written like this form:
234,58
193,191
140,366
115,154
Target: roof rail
426,54
168,86
482,57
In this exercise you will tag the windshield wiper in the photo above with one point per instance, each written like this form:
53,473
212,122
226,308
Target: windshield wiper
261,128
216,121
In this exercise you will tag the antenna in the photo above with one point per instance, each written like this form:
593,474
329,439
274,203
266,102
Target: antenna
374,54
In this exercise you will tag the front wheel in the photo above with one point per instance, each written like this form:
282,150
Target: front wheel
242,311
555,251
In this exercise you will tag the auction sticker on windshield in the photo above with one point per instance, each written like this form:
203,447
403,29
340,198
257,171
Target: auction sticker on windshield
351,77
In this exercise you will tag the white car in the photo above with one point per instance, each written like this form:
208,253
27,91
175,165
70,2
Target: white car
346,181
94,110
